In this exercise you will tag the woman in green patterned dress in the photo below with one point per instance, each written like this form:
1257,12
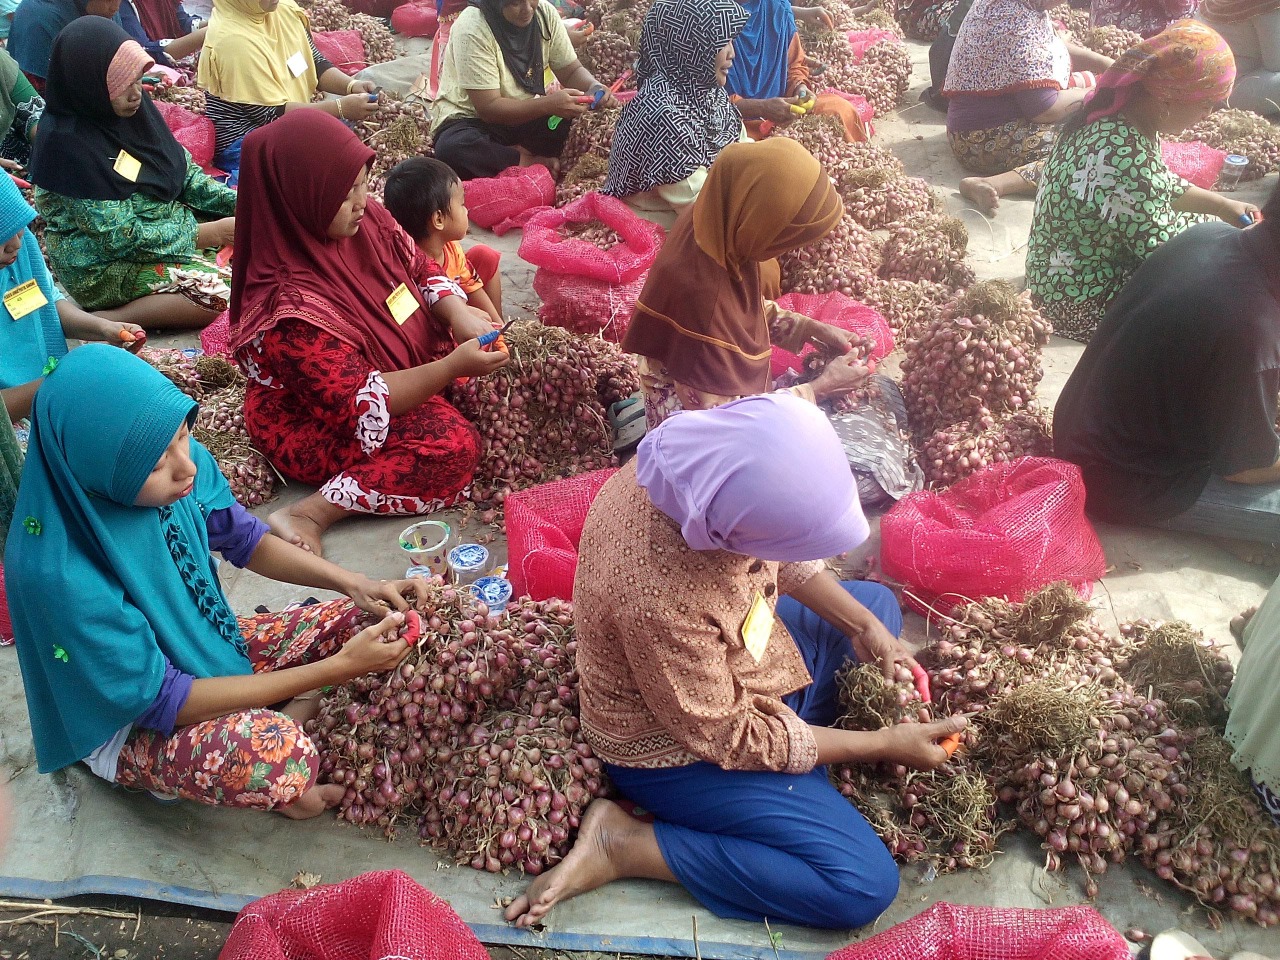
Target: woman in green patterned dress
1106,198
132,224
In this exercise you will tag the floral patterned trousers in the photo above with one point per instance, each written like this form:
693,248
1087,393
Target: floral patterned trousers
254,758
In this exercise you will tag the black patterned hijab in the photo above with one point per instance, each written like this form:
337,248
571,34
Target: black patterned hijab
682,118
521,46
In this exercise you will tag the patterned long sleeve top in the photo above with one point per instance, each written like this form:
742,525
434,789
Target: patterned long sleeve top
666,678
96,247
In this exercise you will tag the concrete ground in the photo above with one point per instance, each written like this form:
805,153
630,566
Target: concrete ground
1150,574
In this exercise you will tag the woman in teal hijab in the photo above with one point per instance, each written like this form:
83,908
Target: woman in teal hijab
35,325
132,660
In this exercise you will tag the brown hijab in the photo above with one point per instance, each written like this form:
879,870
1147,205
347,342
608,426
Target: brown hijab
701,313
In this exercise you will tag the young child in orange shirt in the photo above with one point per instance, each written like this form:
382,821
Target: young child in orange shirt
426,198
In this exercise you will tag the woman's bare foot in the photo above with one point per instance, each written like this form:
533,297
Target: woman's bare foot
981,193
1240,621
304,523
610,845
314,802
303,708
528,159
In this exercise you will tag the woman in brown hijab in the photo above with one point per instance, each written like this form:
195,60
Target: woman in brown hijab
702,327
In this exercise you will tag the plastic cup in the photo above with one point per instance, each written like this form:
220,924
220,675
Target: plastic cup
418,570
427,544
468,562
1233,169
495,592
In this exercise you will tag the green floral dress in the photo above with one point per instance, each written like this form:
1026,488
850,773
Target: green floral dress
1105,203
111,252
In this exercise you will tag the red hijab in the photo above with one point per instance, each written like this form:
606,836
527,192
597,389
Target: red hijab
294,175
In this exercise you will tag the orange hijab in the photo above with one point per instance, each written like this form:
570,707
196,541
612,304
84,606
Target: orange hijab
701,313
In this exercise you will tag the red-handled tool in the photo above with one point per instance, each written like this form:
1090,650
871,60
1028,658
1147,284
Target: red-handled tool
412,630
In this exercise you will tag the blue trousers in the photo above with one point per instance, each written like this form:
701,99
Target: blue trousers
752,845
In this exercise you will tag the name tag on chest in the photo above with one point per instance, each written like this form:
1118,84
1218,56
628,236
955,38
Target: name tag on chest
757,628
297,65
23,299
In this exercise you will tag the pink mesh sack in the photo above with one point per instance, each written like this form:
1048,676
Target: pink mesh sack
343,48
192,130
544,526
415,20
490,200
949,932
584,288
1194,161
863,40
6,622
1005,531
374,915
214,337
839,311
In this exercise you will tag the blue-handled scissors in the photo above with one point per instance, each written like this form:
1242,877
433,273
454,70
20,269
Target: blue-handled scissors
487,338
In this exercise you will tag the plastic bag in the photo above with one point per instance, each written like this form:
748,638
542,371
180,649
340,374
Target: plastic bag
343,48
863,40
839,311
214,337
544,526
490,200
193,131
1005,531
380,914
946,931
1194,161
584,288
415,20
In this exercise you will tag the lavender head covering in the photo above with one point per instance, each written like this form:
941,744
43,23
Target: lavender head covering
764,476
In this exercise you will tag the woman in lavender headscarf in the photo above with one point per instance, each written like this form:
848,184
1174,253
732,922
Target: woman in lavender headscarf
709,635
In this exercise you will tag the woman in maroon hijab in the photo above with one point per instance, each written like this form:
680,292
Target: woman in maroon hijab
346,332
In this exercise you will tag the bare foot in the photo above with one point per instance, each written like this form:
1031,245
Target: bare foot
528,159
602,840
301,525
981,193
1240,621
314,802
303,708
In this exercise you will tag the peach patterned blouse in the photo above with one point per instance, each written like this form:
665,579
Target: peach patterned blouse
666,679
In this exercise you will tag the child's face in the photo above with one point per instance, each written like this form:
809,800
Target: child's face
174,475
453,225
9,252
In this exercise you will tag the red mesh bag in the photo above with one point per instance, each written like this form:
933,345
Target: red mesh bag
415,20
584,288
380,914
1005,531
214,337
839,311
6,623
1194,161
864,40
192,130
343,48
544,525
861,106
949,932
490,200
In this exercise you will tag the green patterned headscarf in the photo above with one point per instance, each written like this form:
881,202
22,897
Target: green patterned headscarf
101,591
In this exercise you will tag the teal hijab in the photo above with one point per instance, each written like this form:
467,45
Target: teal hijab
101,591
28,343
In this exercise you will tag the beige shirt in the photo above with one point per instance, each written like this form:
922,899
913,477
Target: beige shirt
473,61
666,678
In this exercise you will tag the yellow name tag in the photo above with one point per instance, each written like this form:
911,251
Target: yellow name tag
402,304
296,64
23,299
128,166
757,628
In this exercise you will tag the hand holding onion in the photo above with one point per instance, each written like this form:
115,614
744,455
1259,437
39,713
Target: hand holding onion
917,745
840,376
375,649
469,359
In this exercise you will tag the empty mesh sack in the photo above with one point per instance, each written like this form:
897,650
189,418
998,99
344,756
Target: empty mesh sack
583,288
490,200
1005,531
947,931
1194,161
544,527
375,916
193,130
839,311
343,48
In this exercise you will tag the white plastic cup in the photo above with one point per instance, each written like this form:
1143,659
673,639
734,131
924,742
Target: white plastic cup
1233,169
494,592
427,544
468,562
